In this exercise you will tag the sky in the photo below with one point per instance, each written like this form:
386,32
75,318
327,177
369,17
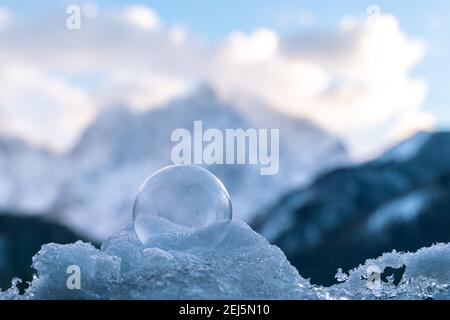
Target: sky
370,72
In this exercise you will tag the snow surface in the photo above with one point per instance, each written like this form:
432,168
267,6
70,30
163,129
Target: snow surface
426,276
243,266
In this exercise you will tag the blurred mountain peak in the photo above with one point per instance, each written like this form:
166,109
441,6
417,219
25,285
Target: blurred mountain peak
122,147
203,97
205,93
408,147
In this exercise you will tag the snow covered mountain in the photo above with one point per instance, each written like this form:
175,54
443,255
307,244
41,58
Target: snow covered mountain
29,176
399,201
122,148
97,181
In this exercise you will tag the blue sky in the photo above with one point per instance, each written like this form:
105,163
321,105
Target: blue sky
214,21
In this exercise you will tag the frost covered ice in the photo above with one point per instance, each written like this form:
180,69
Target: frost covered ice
169,263
426,276
243,266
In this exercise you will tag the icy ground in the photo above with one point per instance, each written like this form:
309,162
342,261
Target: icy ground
243,266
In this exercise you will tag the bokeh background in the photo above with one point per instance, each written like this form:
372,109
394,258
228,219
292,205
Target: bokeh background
358,89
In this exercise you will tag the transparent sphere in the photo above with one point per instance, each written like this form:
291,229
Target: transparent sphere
182,199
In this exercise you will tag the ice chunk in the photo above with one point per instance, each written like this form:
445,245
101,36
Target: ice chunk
99,272
13,292
426,275
182,198
243,266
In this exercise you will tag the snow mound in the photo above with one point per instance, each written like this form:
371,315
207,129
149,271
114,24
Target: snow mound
243,266
426,276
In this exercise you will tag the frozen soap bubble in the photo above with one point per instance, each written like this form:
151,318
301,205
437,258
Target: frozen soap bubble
184,200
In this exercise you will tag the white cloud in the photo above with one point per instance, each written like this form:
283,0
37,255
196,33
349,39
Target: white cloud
143,17
357,80
260,46
354,80
140,90
178,35
90,9
252,66
40,107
